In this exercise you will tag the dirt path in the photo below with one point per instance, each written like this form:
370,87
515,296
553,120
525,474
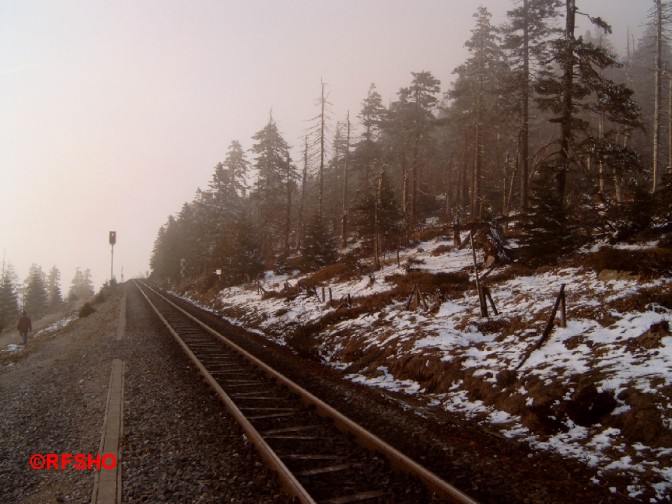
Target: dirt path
11,336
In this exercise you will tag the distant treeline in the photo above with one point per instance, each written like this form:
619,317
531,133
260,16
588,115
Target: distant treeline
40,293
540,122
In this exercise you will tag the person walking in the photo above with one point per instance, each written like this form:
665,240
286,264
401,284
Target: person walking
24,326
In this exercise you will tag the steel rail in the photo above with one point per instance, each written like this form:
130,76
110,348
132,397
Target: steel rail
366,438
287,478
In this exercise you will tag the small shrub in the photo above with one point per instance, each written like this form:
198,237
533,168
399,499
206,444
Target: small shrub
429,234
514,270
334,272
440,250
661,295
99,298
86,310
646,262
427,281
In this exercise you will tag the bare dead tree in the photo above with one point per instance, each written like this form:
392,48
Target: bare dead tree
302,199
344,208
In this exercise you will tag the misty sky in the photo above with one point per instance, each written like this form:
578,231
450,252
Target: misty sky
113,113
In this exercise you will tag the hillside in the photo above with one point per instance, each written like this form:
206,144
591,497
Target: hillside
598,390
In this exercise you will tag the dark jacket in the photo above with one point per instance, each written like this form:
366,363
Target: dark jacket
24,324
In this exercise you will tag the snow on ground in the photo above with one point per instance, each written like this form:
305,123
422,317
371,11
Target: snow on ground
59,324
599,342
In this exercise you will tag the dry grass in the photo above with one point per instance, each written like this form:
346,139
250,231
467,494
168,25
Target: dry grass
638,302
511,272
441,250
428,282
648,263
429,234
643,422
338,272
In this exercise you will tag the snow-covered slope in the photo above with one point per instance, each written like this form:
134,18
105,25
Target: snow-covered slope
599,389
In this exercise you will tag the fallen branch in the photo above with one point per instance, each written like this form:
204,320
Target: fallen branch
560,300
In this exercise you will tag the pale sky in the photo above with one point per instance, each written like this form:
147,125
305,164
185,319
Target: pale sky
113,113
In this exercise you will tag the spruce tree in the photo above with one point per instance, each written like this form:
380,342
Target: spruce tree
367,151
579,89
476,97
526,39
273,164
245,260
319,246
54,289
81,287
9,304
379,214
37,297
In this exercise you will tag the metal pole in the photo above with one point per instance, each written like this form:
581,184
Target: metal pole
112,264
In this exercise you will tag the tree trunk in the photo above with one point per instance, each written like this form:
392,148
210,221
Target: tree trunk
320,200
405,195
376,221
344,209
464,172
288,214
525,130
302,200
600,164
414,182
657,93
566,117
449,199
669,125
476,175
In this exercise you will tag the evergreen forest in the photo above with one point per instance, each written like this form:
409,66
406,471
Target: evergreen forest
543,129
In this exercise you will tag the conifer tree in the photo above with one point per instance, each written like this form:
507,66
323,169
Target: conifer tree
246,259
319,246
661,17
526,38
81,287
476,95
54,289
9,304
371,117
379,216
36,298
237,167
271,153
579,89
421,98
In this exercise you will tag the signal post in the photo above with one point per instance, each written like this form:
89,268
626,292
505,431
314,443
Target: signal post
113,240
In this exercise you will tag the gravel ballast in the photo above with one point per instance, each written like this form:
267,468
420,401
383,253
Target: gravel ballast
179,444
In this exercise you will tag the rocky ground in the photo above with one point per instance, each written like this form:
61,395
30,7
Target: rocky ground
178,446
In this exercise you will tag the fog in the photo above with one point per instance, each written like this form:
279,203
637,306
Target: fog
113,113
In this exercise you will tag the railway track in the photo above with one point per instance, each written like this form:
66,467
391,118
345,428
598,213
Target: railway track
319,454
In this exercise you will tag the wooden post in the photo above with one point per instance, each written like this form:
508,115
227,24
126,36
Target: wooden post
324,298
492,303
549,327
563,309
331,299
349,300
410,298
422,299
481,299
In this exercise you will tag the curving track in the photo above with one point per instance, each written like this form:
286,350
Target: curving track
319,454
